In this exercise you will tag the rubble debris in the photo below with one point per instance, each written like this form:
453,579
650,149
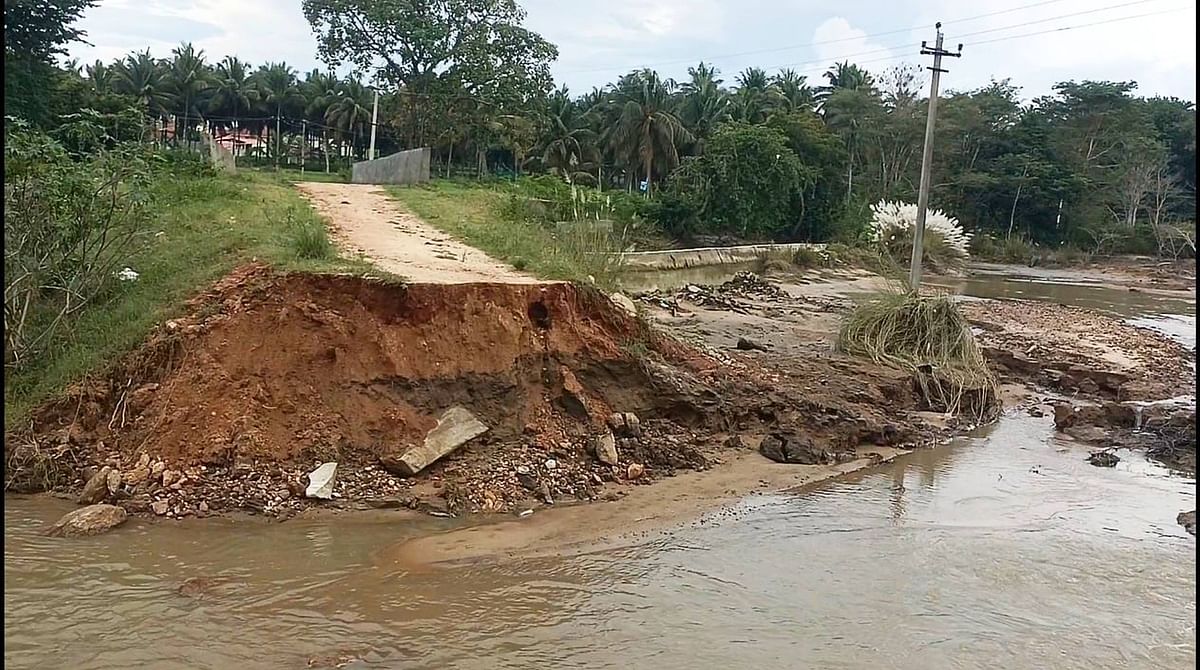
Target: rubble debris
455,427
320,482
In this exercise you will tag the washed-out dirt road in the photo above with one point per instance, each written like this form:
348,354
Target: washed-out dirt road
364,220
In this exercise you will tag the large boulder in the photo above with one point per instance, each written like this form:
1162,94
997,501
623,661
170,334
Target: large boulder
90,520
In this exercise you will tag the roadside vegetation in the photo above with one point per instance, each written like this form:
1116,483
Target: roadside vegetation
530,225
101,246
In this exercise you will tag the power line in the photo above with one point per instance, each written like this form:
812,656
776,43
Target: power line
874,35
990,30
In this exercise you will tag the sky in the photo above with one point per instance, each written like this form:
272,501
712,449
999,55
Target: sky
1152,42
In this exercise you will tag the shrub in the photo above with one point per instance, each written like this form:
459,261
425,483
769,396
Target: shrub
69,226
809,258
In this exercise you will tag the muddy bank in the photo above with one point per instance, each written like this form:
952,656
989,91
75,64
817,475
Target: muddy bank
1037,348
271,375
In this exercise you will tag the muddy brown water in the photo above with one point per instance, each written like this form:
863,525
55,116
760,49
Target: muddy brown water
1001,550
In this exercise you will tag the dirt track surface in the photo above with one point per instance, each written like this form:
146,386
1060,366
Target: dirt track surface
365,220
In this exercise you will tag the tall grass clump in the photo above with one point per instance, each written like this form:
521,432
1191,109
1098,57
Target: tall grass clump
944,245
306,234
930,337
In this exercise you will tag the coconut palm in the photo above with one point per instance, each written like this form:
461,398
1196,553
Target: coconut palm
101,77
646,130
845,76
233,92
568,140
141,76
704,104
350,111
190,82
279,90
755,97
794,93
320,91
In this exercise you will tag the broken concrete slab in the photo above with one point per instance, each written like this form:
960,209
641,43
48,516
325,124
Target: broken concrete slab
320,482
455,427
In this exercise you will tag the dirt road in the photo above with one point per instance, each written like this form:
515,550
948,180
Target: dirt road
366,221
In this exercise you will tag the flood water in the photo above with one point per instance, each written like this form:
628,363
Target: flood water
1001,550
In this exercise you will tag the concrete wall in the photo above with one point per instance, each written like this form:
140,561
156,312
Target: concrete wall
675,259
402,167
221,157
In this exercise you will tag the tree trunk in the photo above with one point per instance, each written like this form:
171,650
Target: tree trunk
449,158
1012,215
647,162
277,110
325,144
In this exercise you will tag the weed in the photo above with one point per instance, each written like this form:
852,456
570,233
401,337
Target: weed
306,234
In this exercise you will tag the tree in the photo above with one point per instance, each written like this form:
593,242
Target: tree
35,31
845,76
755,97
794,93
350,112
140,76
747,182
438,50
40,29
646,130
568,142
190,82
234,90
704,104
279,91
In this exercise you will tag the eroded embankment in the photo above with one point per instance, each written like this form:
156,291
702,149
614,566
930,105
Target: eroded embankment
271,374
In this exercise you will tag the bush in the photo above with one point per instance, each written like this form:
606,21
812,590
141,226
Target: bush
929,336
809,258
69,226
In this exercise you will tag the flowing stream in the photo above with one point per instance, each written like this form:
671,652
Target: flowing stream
1004,549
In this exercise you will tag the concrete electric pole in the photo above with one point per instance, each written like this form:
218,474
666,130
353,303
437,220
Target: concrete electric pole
914,277
374,121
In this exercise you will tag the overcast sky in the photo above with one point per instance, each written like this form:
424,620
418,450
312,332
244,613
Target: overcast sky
600,40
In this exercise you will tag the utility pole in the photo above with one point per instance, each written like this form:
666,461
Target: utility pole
914,277
374,121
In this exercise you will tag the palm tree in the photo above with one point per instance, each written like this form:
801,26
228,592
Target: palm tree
755,97
233,91
568,140
705,104
646,130
320,90
350,111
794,91
141,77
101,77
845,76
190,81
278,90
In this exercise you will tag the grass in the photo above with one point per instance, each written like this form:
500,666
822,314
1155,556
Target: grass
203,226
930,337
476,214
